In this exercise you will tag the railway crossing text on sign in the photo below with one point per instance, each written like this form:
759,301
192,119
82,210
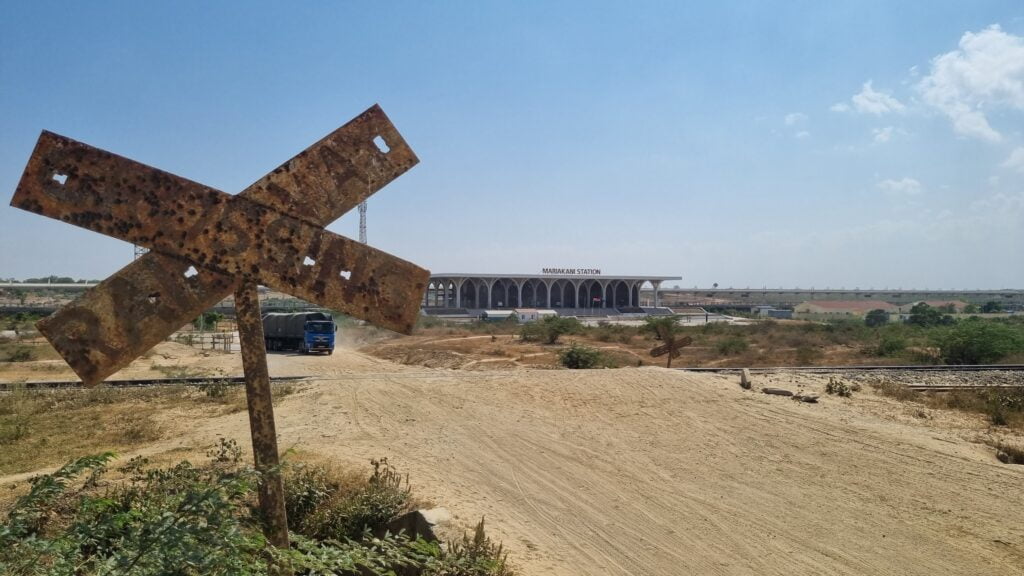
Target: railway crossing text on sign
206,244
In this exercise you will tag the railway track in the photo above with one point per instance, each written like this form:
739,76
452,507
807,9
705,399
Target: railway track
986,376
136,383
933,369
872,368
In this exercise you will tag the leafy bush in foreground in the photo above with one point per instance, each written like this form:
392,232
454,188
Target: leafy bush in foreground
324,505
198,520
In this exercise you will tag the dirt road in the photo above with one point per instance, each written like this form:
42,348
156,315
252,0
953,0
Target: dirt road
649,471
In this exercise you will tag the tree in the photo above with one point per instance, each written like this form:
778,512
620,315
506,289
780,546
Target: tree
207,321
925,316
971,309
991,306
877,317
976,341
666,329
550,329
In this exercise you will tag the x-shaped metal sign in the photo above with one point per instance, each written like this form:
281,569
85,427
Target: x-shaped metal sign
674,349
265,232
271,233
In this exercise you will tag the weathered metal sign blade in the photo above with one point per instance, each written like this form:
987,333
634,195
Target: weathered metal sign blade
674,349
152,295
124,199
334,175
117,321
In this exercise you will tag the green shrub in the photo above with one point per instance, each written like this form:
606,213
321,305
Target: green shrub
549,329
838,388
215,388
890,345
17,353
607,332
976,341
324,505
476,557
577,356
732,345
195,520
207,320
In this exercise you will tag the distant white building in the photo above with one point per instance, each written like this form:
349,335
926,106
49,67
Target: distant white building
533,314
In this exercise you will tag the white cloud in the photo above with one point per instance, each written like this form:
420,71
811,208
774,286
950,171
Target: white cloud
902,187
1016,160
985,72
883,135
802,134
795,118
870,101
840,107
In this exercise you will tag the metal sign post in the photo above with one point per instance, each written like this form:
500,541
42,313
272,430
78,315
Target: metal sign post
205,244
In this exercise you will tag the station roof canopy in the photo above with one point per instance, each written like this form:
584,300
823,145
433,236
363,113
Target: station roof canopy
554,276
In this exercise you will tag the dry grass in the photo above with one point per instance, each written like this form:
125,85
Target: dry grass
999,407
898,391
39,428
764,343
25,350
42,428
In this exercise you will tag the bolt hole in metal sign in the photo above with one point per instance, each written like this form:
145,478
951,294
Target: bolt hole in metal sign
271,233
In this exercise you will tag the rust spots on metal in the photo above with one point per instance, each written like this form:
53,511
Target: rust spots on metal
263,234
261,414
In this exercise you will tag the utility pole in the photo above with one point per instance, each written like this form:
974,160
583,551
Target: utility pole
362,222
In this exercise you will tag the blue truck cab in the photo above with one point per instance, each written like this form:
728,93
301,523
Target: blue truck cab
318,336
303,331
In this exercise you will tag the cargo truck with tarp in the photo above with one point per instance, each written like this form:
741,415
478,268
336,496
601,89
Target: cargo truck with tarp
303,331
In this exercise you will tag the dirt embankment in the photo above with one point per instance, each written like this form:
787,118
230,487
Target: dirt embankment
650,471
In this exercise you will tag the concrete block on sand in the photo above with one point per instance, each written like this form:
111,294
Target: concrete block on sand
745,380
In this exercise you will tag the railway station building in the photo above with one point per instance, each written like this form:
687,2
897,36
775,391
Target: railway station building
580,289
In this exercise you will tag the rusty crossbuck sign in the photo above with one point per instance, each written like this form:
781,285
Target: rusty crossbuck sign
206,245
674,351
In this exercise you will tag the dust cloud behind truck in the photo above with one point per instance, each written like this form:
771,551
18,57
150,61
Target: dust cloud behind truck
303,331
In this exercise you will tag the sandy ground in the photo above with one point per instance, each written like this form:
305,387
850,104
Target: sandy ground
650,471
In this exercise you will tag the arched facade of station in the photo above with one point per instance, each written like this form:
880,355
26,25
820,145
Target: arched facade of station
477,291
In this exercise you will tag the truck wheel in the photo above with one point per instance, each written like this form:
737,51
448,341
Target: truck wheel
329,352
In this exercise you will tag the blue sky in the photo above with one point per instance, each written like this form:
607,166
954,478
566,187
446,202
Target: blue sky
840,144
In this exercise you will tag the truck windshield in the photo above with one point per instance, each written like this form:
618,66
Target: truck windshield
320,327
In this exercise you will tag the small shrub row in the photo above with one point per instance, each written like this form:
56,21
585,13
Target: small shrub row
549,329
577,356
839,388
191,520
